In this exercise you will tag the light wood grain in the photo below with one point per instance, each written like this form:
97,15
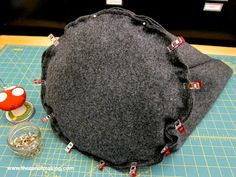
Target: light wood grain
24,40
44,41
216,50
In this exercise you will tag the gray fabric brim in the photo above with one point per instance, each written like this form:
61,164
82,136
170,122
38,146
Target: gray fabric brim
214,74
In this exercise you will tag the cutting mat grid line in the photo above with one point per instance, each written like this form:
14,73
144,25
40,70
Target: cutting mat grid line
209,151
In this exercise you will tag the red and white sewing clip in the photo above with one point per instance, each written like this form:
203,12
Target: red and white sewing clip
69,147
176,43
39,82
48,117
166,151
53,39
194,85
180,127
133,169
101,165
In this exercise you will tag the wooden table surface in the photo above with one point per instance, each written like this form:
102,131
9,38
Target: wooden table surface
44,41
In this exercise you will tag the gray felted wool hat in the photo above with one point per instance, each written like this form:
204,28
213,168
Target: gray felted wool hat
122,89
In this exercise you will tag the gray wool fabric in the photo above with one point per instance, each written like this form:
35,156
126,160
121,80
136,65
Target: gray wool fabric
116,90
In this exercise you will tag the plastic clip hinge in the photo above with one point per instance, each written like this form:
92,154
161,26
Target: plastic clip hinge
133,169
166,150
39,82
180,127
176,43
48,117
194,85
69,147
53,39
101,165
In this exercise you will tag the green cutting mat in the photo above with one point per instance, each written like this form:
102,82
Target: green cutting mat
210,150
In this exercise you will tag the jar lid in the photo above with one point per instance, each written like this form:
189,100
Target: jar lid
26,113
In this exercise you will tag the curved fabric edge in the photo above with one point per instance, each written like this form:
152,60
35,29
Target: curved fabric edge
215,75
171,124
156,27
